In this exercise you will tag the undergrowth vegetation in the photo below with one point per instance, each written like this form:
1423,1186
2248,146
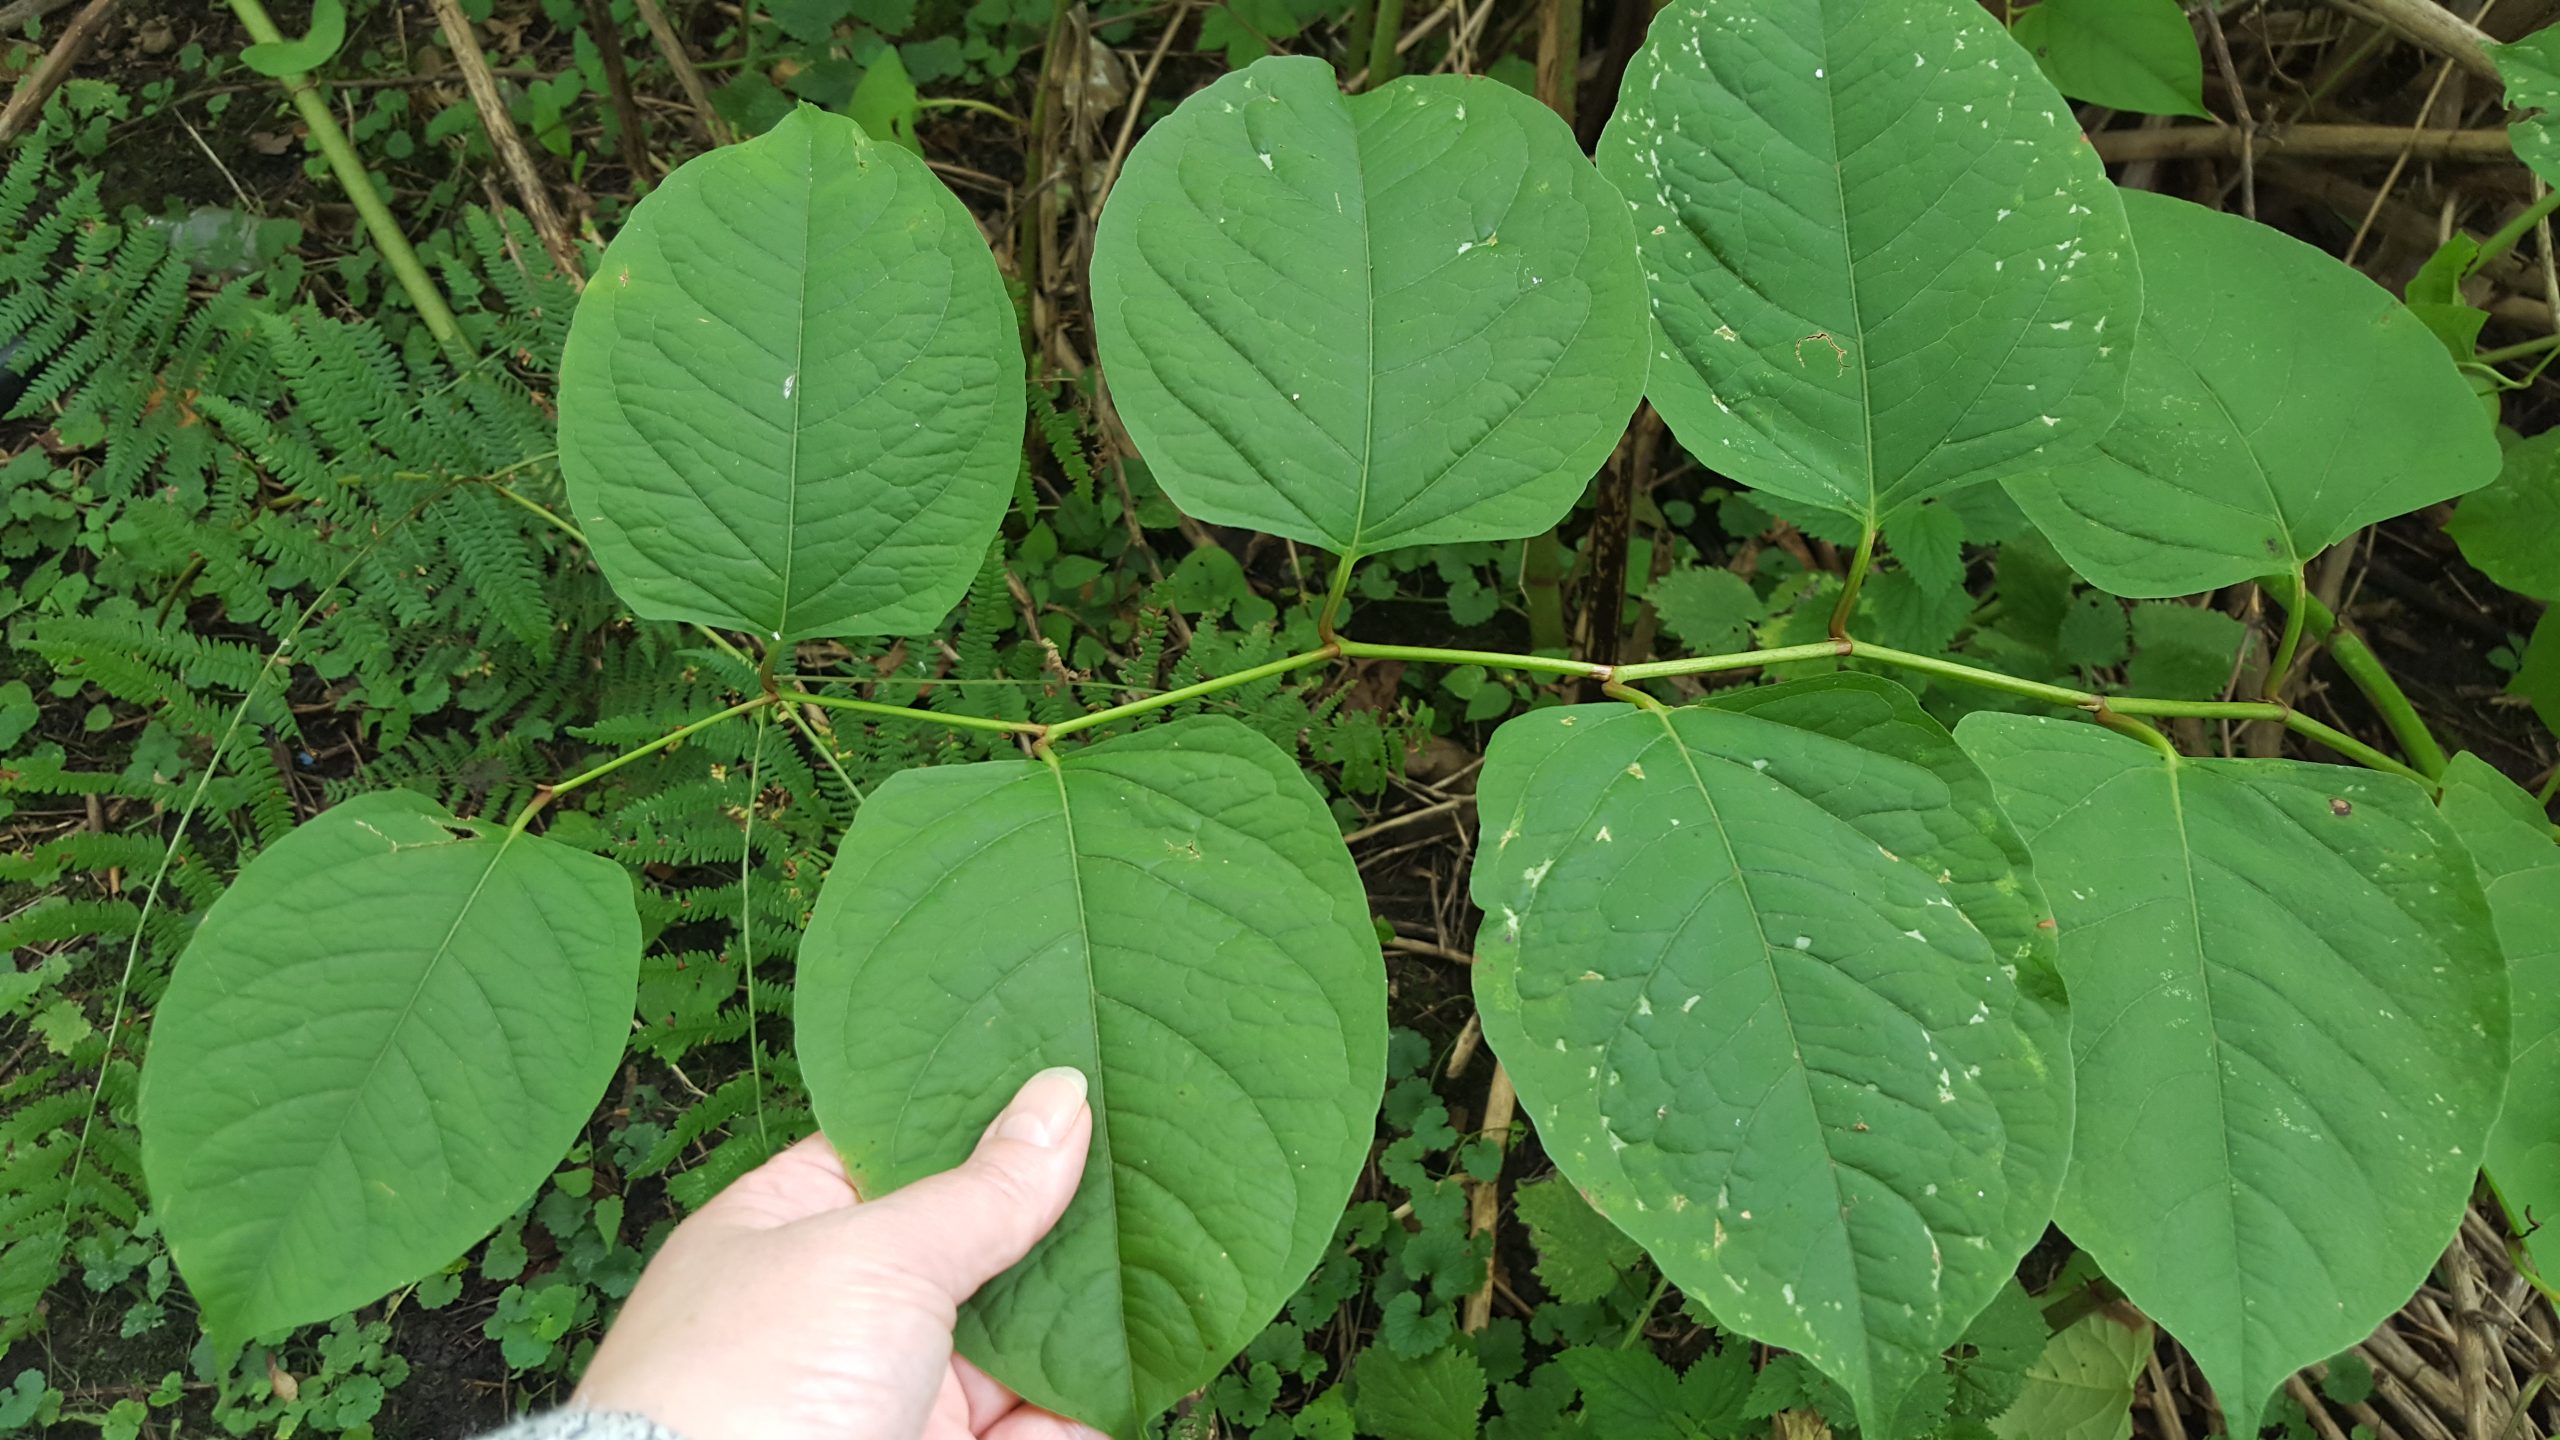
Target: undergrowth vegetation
1724,734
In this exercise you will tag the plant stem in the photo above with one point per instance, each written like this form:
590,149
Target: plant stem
2525,350
2289,646
2124,724
904,712
1333,597
1384,32
1490,659
1988,679
1857,577
378,221
1269,668
549,793
1644,1317
2364,669
2506,236
1745,660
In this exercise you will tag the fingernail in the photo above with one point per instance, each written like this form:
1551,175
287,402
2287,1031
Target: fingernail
1045,1106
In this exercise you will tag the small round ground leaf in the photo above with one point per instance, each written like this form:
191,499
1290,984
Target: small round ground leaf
1172,913
381,1039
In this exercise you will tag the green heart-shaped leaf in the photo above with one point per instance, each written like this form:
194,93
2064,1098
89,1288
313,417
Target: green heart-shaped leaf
2509,837
2280,402
379,1042
1407,317
1174,914
2290,1022
1884,263
1769,978
791,400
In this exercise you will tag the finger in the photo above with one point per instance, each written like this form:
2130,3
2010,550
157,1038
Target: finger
1027,1423
989,1401
961,1228
805,1180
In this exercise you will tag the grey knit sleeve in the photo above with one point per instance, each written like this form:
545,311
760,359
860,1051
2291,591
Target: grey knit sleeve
575,1424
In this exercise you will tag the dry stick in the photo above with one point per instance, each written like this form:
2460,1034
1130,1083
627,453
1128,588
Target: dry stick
2164,1402
53,69
2400,162
510,145
1138,103
2470,1346
2431,27
688,79
1484,1207
2239,93
14,15
2313,1408
617,82
2319,142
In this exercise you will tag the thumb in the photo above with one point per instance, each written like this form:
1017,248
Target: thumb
962,1228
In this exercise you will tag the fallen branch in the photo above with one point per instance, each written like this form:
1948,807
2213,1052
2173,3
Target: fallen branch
2336,142
2431,27
503,137
28,103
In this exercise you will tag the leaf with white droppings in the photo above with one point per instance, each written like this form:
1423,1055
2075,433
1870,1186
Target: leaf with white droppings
2290,1024
1769,976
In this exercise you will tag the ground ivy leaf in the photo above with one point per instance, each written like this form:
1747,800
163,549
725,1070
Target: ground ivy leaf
1407,317
2137,55
1580,1254
1769,978
1437,1397
2510,842
1884,264
1172,912
791,401
1710,609
2291,1032
2081,1388
1929,541
2510,528
2280,402
2182,652
377,1045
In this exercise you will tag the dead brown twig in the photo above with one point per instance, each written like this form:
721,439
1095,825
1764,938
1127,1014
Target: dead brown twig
55,68
501,128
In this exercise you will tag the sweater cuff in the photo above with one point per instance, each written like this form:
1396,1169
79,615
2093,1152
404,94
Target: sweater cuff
572,1423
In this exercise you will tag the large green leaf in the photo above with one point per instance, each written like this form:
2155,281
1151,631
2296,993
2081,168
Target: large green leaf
1884,263
2280,402
2509,837
791,400
2290,1021
1407,317
379,1042
2135,55
1768,976
1172,913
2531,68
2510,528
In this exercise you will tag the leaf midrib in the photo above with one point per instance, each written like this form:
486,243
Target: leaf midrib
1095,1080
1795,1047
355,1093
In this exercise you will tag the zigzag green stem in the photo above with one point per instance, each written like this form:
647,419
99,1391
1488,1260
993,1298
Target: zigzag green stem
378,220
903,712
1192,692
549,793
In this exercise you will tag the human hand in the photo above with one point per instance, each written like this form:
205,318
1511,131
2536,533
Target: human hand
787,1310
